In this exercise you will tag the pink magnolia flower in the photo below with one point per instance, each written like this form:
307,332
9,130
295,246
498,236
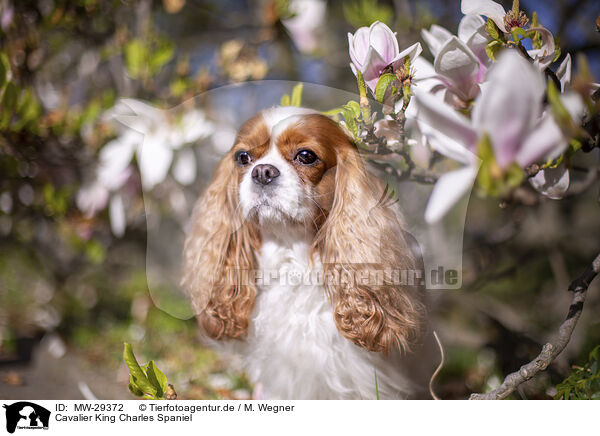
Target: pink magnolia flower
509,112
304,26
506,21
488,8
374,48
460,63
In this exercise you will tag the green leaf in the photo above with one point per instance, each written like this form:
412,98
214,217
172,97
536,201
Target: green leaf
4,69
362,86
595,353
133,387
518,32
353,107
559,110
139,377
296,99
492,179
350,122
136,54
160,56
534,19
557,52
157,378
333,112
492,29
9,99
285,100
492,48
382,85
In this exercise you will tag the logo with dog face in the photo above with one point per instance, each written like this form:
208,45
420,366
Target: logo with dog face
26,415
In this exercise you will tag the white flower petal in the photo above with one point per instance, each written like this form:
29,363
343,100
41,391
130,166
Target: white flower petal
114,158
447,146
184,169
92,198
383,40
448,190
457,63
477,43
437,115
510,106
435,37
304,25
359,46
545,142
412,52
195,126
564,72
469,25
424,79
135,114
116,214
154,160
552,182
574,104
487,8
545,55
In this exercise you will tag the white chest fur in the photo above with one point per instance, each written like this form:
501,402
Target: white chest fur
293,349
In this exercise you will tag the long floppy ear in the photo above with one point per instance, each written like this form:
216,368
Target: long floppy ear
218,258
368,262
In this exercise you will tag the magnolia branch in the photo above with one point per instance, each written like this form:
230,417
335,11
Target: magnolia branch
552,349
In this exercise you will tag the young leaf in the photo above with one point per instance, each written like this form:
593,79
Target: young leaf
297,95
4,69
136,54
285,100
9,99
139,377
353,107
382,85
492,48
518,32
493,29
559,110
161,55
133,387
156,377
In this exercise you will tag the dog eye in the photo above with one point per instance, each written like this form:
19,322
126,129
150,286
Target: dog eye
306,157
243,158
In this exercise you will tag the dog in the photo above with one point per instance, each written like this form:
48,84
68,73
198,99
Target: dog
297,255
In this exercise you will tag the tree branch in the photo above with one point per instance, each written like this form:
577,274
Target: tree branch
552,349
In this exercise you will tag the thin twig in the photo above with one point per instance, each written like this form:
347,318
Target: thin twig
552,349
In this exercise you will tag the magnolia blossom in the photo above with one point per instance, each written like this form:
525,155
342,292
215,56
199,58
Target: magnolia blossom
304,26
508,112
552,182
154,136
460,62
488,8
506,21
374,48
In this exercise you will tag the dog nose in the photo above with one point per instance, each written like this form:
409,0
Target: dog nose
264,174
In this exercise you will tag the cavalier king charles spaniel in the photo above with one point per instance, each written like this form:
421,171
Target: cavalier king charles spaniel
296,253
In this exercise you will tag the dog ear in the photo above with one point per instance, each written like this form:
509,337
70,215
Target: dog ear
368,263
218,258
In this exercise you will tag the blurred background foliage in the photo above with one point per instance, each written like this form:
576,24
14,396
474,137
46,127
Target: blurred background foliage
71,292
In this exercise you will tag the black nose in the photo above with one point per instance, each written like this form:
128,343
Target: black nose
264,174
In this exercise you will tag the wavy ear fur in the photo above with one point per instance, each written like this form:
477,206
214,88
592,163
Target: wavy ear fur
361,242
218,255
